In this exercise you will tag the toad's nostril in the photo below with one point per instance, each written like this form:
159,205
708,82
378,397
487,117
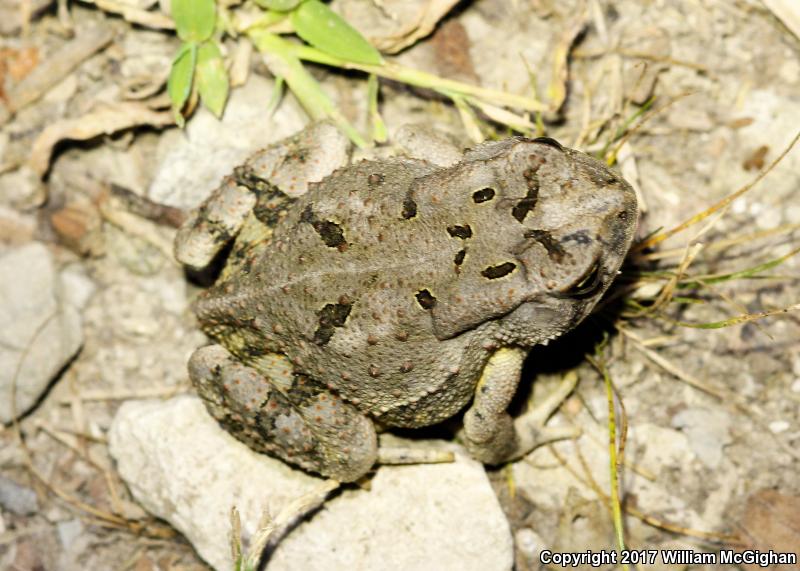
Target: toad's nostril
555,251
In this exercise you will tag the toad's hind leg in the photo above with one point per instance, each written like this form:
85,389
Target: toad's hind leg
286,415
490,434
256,195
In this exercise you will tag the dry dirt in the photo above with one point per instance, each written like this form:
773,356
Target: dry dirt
713,415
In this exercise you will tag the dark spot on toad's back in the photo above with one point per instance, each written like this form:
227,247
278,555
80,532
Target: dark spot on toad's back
462,232
409,208
425,299
528,203
555,250
498,271
271,205
459,259
331,316
483,195
330,232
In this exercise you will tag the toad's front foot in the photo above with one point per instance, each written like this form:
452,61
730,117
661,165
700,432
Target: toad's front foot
490,434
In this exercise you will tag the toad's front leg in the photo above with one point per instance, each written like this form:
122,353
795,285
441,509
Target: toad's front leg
490,434
288,415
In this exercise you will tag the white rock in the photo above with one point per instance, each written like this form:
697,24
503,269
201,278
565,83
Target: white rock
435,516
195,160
39,333
77,287
182,467
778,426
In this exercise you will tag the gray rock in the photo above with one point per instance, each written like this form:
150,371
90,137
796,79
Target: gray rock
39,333
21,188
707,430
17,499
182,467
69,531
195,160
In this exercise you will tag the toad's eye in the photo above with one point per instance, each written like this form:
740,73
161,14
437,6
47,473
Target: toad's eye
590,284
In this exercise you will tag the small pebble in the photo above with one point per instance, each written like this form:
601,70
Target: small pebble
778,426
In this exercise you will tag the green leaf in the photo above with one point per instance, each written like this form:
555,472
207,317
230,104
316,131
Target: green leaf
179,84
278,5
212,78
327,31
194,19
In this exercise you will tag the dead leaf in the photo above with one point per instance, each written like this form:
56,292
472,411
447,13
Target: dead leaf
106,120
451,46
771,521
16,15
19,63
78,226
557,90
755,161
640,77
16,64
57,66
393,25
136,15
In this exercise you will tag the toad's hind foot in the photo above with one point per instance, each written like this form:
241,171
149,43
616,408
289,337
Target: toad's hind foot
286,415
530,426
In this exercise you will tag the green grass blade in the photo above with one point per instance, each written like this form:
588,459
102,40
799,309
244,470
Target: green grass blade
379,133
419,78
738,319
283,63
747,273
277,95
